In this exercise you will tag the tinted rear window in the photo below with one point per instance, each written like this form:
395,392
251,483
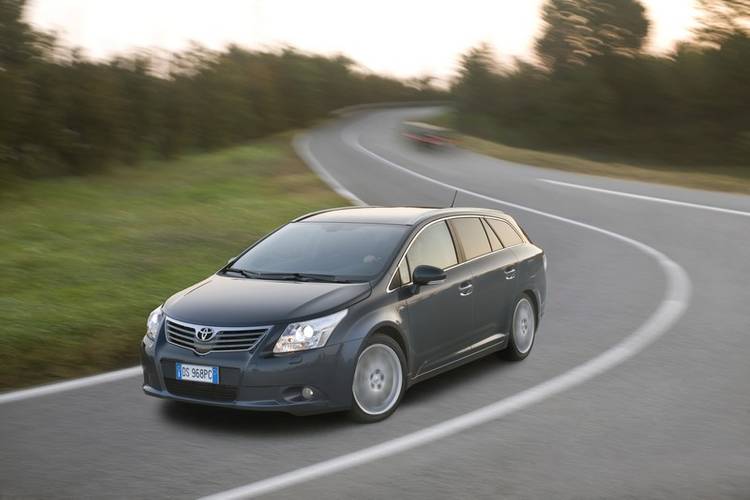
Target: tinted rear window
505,232
471,236
433,247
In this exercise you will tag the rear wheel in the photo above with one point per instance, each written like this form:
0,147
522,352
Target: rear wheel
523,329
379,379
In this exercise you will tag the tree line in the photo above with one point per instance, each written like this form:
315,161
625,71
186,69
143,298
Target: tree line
593,89
63,113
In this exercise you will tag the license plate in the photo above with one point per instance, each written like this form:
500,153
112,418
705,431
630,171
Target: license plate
197,373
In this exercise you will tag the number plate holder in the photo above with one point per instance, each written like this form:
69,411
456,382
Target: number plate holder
197,373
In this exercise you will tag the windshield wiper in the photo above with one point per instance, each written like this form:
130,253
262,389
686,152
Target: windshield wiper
244,272
328,278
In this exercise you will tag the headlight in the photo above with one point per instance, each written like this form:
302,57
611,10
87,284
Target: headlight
154,323
308,334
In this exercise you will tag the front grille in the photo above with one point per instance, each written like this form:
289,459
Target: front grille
198,390
226,339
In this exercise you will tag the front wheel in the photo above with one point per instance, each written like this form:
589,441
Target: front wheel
379,379
523,330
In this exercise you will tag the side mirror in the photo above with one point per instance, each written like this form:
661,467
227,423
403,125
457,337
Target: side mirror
427,275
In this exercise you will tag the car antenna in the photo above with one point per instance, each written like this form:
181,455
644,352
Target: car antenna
453,202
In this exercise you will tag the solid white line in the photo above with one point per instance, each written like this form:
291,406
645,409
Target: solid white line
649,198
675,302
69,385
301,145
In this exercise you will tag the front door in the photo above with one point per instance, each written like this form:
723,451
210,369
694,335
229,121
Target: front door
441,314
440,319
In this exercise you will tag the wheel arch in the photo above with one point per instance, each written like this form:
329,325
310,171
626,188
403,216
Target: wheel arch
394,332
534,303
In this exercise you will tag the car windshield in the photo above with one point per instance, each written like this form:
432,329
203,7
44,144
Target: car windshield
320,250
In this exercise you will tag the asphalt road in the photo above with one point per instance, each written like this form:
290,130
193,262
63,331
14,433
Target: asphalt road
672,421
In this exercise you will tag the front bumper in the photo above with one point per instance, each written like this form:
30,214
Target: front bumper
255,380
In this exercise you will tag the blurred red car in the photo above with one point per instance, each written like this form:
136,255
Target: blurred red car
428,135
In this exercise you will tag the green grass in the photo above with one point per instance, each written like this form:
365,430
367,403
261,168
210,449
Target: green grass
85,259
717,177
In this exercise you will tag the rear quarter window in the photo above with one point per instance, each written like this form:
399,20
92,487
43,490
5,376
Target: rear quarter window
508,236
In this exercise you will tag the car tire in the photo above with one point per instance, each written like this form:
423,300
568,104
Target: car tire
522,329
377,392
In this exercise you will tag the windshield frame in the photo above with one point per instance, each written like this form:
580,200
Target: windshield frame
408,231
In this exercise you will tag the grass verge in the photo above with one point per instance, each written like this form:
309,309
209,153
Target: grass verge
734,179
86,259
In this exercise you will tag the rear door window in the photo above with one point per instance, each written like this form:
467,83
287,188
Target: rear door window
508,236
471,236
433,247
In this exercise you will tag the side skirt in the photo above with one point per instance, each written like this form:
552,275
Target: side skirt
484,347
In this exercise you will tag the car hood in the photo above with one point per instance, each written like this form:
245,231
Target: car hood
228,301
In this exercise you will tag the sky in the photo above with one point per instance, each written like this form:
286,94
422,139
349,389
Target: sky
396,37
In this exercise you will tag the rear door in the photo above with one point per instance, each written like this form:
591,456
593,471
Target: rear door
485,260
500,279
440,315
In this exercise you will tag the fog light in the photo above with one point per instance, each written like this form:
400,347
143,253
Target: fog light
307,393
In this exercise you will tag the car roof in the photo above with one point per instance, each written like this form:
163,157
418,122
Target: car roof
408,216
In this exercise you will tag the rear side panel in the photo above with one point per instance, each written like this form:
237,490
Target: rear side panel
531,273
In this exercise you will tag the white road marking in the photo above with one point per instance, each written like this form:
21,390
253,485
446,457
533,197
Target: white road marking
673,305
69,385
650,198
302,147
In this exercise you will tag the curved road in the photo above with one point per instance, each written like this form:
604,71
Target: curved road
668,417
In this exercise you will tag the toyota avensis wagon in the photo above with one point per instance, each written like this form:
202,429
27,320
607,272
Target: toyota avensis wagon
345,309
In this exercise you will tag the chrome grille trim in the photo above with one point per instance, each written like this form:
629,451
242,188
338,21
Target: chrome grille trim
227,339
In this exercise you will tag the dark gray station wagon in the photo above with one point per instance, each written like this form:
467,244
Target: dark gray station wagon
345,309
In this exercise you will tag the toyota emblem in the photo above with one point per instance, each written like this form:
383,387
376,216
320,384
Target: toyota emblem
205,334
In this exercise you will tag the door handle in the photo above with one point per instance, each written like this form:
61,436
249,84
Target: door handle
465,288
510,273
